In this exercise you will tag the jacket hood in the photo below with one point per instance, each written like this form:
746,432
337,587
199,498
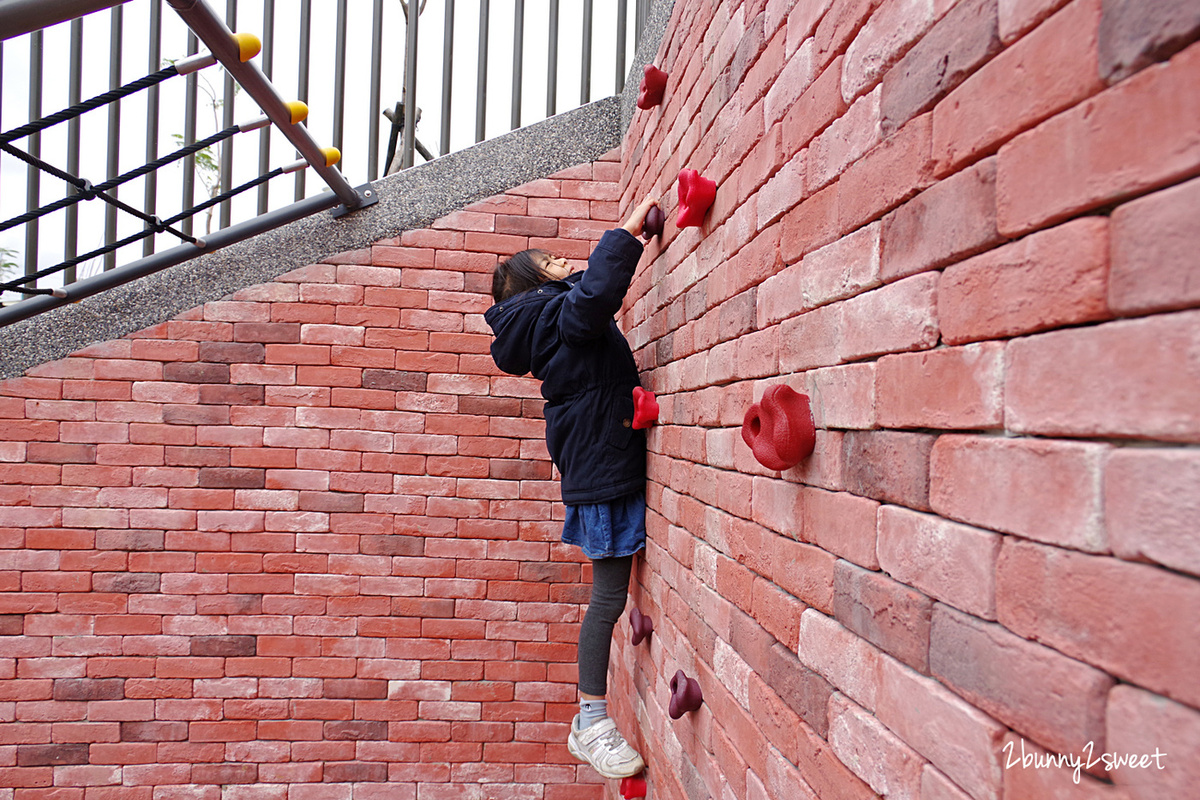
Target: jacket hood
514,321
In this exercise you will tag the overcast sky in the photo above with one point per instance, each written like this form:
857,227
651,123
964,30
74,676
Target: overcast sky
16,76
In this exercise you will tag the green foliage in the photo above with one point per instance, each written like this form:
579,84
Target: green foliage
9,268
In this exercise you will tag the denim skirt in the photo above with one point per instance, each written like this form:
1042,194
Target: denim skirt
608,530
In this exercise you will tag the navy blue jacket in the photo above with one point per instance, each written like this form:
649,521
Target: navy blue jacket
564,333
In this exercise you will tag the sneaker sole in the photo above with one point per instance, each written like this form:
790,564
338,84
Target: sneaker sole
574,750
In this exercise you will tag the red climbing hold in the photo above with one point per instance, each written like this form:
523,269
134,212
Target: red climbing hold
779,428
696,195
642,626
652,88
645,408
653,224
633,787
685,695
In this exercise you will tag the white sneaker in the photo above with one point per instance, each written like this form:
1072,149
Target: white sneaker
603,746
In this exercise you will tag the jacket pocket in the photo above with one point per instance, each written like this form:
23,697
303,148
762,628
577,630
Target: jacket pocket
620,421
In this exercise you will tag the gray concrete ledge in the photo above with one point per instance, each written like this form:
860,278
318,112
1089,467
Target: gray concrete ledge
408,200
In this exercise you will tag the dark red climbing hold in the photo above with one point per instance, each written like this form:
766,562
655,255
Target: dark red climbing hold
653,224
685,695
645,408
652,88
633,787
779,428
642,626
696,195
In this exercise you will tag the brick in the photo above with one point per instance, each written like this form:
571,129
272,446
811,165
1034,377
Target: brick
952,49
845,140
1154,240
195,372
56,453
51,755
841,269
1138,135
1054,700
842,397
1135,35
1142,723
1150,504
958,739
946,388
1044,490
1057,63
947,561
1078,604
840,523
811,224
886,613
1128,378
1050,279
871,751
267,332
890,466
897,169
952,219
819,105
808,575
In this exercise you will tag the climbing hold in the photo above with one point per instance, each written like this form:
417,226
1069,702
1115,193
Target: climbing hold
633,787
645,408
297,111
332,155
652,88
685,695
696,195
653,224
779,428
642,626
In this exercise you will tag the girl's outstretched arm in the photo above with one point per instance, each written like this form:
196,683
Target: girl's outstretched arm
638,216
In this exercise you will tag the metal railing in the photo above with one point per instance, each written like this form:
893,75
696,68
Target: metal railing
316,53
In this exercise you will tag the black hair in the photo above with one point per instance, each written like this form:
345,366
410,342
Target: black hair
519,273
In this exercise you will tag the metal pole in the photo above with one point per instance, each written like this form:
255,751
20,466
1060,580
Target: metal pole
622,20
152,106
585,78
410,85
33,174
226,147
302,81
74,95
264,136
189,134
552,62
221,43
376,90
339,76
481,71
18,17
518,61
168,258
114,127
447,74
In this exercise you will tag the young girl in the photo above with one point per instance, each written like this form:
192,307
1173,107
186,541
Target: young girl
559,326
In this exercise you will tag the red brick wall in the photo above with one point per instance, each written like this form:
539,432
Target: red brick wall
968,230
301,543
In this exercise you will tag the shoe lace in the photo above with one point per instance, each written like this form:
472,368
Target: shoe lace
613,740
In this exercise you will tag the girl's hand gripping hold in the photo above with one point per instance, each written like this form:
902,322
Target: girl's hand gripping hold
637,217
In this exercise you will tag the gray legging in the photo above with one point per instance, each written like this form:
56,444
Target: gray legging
610,589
